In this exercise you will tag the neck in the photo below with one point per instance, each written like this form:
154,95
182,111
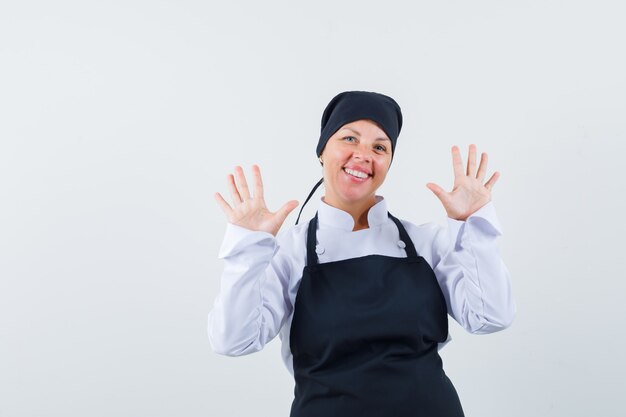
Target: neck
361,222
358,210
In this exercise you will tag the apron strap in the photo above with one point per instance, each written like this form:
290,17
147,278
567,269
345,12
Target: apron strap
309,197
404,236
311,238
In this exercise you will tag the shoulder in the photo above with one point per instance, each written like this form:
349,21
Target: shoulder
291,255
426,237
292,234
428,228
292,243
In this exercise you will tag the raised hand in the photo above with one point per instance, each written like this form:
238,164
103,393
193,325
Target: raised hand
468,192
250,211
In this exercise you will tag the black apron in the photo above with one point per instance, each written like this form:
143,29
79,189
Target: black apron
364,337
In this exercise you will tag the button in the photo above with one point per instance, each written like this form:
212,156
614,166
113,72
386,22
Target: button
319,250
401,244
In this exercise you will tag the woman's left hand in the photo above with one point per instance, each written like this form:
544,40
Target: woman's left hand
468,193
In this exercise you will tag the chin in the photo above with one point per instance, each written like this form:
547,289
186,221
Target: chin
357,197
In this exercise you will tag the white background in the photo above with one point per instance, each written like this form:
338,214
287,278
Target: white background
120,119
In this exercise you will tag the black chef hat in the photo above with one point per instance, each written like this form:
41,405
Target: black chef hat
350,106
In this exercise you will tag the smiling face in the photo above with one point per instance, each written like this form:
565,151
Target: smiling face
356,159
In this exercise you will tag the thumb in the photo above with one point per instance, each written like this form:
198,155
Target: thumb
437,190
287,208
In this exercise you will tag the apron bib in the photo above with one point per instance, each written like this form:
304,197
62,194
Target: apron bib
364,337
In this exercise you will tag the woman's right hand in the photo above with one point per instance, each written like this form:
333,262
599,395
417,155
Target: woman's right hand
250,211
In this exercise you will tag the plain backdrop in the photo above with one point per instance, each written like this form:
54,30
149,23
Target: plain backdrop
119,120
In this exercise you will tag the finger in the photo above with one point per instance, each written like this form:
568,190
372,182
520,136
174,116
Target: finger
228,210
457,161
234,193
244,192
471,161
287,208
482,168
437,190
492,181
258,182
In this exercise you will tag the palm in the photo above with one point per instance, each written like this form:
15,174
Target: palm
249,211
468,192
253,214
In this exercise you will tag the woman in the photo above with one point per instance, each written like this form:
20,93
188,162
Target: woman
359,297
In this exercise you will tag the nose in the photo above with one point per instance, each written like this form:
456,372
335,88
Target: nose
363,152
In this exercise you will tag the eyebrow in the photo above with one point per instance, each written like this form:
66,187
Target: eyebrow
385,139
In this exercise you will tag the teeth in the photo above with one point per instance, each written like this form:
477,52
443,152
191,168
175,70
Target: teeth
354,173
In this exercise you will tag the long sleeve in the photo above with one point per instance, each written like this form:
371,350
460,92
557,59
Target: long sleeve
251,305
471,273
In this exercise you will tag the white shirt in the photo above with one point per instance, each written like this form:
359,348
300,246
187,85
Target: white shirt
262,273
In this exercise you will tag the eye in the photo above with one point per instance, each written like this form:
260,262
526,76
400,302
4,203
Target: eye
349,137
381,148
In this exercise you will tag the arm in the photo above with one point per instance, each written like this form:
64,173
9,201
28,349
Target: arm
252,304
250,307
467,263
471,273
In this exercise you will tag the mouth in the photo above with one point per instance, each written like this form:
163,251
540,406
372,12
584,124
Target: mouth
355,175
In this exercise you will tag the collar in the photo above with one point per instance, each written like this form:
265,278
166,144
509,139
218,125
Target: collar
334,217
